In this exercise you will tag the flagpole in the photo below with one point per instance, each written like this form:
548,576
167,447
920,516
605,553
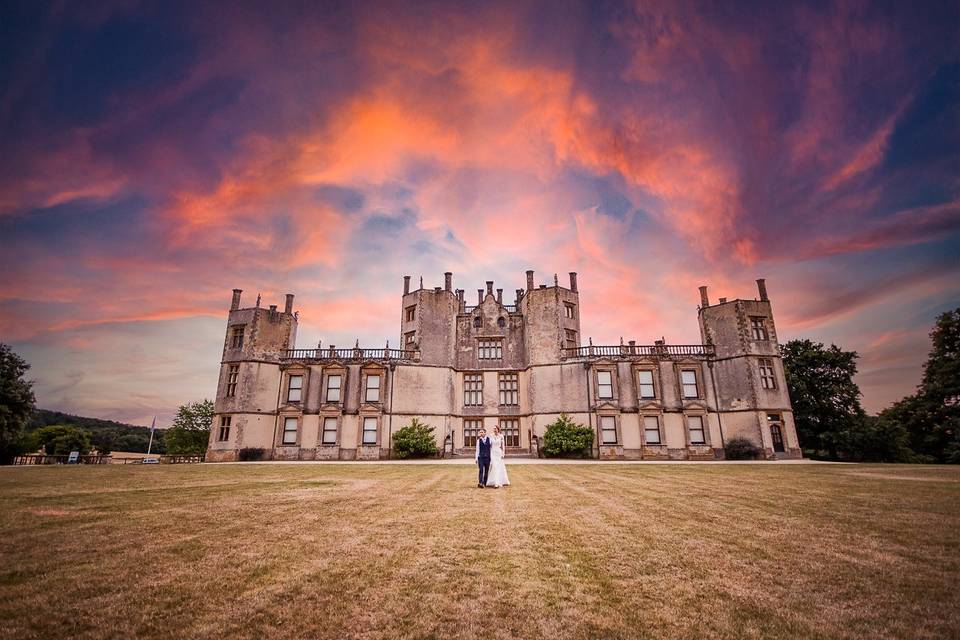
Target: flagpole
153,425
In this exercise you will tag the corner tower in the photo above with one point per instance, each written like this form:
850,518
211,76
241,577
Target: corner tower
748,372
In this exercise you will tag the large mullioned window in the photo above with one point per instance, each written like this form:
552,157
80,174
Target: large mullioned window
510,428
509,389
490,350
473,389
767,379
233,374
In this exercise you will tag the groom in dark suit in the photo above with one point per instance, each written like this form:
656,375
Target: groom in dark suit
483,457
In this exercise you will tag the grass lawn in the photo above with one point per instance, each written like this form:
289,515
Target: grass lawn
387,551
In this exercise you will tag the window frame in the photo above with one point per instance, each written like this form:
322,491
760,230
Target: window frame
696,384
652,384
295,431
759,331
570,310
470,393
486,346
471,431
409,339
410,313
768,377
647,429
367,388
604,430
233,378
291,388
510,430
508,384
600,385
339,389
324,431
223,434
237,336
364,431
702,429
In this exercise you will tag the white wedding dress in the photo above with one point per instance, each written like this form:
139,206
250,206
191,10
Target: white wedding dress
498,470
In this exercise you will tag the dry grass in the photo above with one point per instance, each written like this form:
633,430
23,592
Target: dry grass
379,551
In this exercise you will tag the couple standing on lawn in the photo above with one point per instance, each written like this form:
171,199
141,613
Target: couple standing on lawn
489,457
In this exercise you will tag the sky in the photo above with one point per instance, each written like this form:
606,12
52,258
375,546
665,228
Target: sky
154,156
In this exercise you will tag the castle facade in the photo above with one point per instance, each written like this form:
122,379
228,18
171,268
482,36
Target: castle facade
460,367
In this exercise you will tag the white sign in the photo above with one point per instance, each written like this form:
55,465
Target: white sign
74,456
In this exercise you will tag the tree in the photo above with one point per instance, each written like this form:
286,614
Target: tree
60,440
190,431
567,438
416,440
16,402
826,400
931,416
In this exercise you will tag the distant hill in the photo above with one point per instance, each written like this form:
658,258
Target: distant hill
113,436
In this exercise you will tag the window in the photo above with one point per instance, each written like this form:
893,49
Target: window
510,429
776,434
409,339
411,313
333,388
608,430
695,428
236,337
688,378
767,379
509,389
571,335
477,322
471,431
473,389
501,322
372,391
604,384
224,434
233,374
651,430
289,431
370,430
568,310
645,384
491,350
329,435
758,327
295,389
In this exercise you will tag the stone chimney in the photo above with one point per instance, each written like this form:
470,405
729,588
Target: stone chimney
704,300
490,287
288,307
573,281
406,285
235,303
479,297
447,281
499,296
762,288
530,280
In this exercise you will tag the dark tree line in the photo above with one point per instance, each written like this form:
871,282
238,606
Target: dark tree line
923,427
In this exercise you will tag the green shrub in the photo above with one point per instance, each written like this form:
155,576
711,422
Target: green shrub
740,449
566,438
415,440
59,440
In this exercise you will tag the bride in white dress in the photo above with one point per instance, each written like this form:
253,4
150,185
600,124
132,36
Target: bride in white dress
498,470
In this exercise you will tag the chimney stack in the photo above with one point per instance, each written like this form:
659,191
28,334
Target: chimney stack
704,300
519,297
406,285
288,308
762,288
573,281
530,280
499,296
235,303
490,287
479,297
447,281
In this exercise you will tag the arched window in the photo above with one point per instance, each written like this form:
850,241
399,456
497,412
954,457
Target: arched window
777,437
501,322
478,322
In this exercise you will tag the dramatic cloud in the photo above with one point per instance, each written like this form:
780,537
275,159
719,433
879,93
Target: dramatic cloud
158,155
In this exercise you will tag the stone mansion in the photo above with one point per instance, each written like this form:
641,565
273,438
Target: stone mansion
461,367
